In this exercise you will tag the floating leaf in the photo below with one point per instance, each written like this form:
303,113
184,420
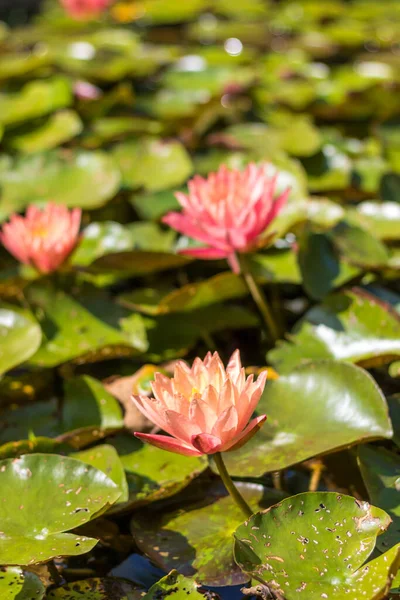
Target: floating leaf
178,586
359,246
353,326
48,494
37,98
335,419
152,473
198,540
20,336
153,163
382,219
73,329
380,470
59,128
317,543
81,178
106,459
15,584
318,275
97,588
137,262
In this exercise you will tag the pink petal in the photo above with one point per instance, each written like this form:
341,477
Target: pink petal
245,435
182,223
180,426
206,443
234,366
226,425
168,443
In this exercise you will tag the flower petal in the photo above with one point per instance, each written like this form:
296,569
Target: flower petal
206,443
247,433
168,443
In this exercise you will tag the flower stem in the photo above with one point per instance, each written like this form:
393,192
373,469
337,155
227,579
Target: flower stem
260,299
230,486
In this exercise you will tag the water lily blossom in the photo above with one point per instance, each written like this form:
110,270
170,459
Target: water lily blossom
205,408
43,238
228,211
85,9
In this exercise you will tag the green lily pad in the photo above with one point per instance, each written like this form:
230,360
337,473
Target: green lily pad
340,418
328,170
176,586
81,178
48,494
59,128
102,411
153,164
19,64
394,411
317,543
380,470
105,458
37,98
20,336
197,539
382,219
88,329
38,444
359,246
15,584
99,239
138,262
351,326
152,473
154,205
97,588
318,275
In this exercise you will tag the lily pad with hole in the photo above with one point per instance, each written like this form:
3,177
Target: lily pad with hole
97,588
314,545
15,584
196,539
44,496
178,587
343,405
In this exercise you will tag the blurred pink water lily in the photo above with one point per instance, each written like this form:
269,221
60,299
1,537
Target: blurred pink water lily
205,408
43,238
85,9
228,211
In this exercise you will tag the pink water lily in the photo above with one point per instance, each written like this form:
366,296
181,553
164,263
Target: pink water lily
85,9
43,238
228,211
205,408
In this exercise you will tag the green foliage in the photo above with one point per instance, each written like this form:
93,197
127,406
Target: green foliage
114,115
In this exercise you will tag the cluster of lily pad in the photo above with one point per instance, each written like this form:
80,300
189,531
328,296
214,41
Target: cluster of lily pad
113,116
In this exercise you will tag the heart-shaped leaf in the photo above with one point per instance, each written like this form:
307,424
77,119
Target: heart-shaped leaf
198,539
343,406
314,545
15,584
44,495
380,470
359,246
318,275
20,336
96,588
352,326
